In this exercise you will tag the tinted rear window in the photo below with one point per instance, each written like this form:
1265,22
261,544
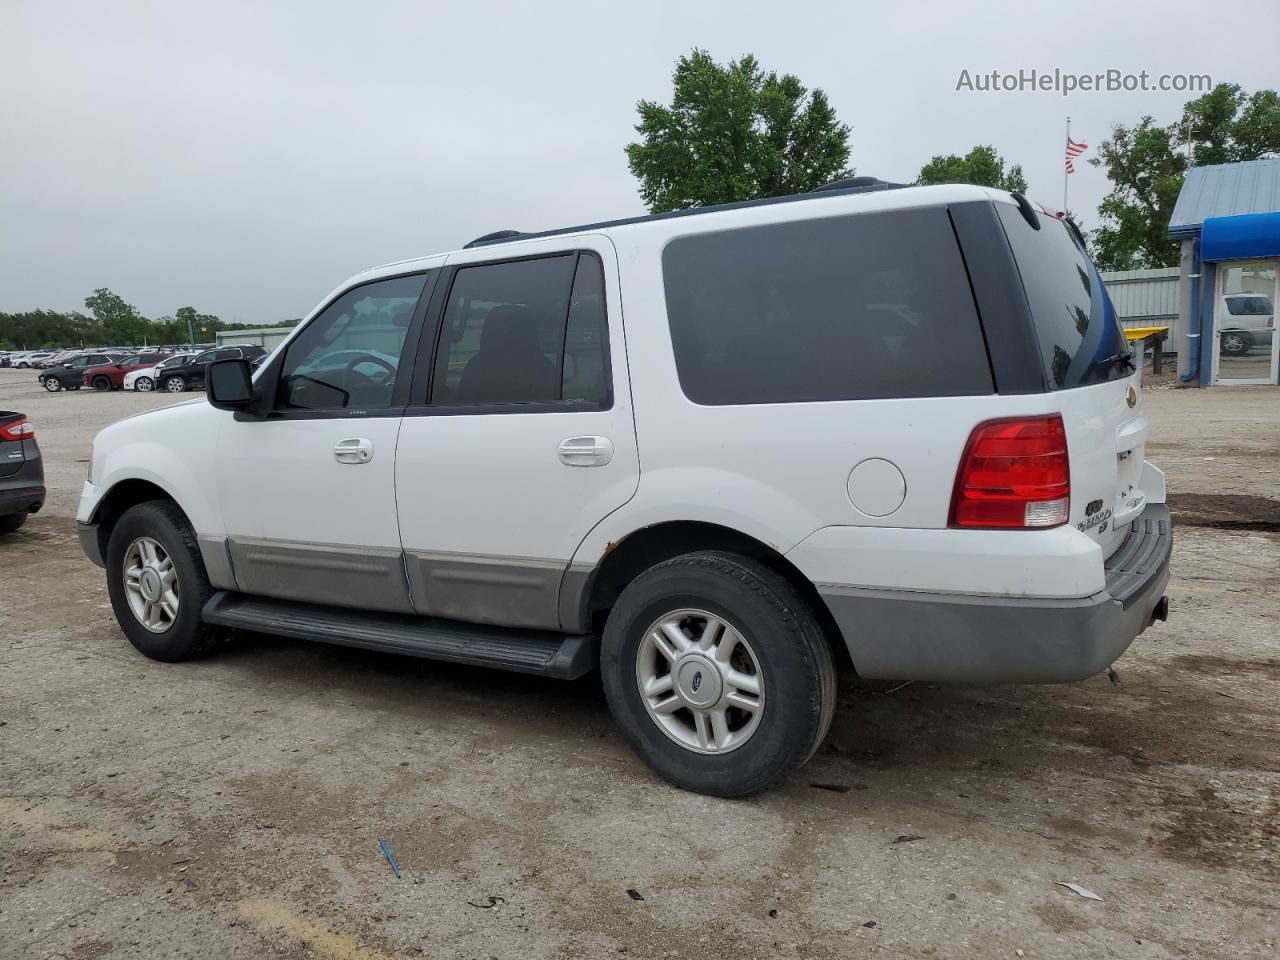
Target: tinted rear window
849,308
1075,323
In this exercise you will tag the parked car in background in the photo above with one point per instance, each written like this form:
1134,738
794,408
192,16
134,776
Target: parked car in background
4,360
28,360
110,376
894,427
191,374
144,379
67,376
21,471
55,359
1248,321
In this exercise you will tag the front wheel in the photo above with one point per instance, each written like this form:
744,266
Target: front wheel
175,385
52,384
101,383
158,584
718,673
144,385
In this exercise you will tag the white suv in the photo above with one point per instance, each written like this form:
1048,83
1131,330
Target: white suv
713,454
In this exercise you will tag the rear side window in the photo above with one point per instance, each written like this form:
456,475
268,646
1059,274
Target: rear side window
525,331
850,308
1080,340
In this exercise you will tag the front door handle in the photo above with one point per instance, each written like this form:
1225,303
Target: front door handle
354,450
586,451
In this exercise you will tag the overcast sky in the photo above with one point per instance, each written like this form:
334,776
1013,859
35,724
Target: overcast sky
246,156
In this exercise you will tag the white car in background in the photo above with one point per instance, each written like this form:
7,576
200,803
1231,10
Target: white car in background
144,380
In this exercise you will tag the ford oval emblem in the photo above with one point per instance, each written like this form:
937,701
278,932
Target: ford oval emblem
1132,398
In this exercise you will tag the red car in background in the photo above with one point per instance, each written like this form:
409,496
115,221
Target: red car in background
110,376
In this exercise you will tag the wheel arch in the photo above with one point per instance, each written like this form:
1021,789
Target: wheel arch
119,498
587,599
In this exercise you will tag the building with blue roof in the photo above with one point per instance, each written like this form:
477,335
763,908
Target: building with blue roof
1227,220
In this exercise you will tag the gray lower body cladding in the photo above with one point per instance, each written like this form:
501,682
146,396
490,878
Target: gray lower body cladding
903,635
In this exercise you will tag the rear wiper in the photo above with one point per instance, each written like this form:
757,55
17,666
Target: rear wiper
1125,358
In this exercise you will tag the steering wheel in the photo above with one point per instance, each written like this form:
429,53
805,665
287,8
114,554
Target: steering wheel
354,362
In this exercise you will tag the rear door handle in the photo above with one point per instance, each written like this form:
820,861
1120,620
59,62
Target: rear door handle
586,451
354,450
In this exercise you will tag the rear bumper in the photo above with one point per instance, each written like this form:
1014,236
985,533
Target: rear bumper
22,499
23,492
907,635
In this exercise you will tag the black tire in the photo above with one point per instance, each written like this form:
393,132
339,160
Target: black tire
101,383
52,384
12,521
144,385
187,637
794,658
175,384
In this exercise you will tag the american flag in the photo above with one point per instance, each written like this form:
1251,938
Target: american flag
1074,150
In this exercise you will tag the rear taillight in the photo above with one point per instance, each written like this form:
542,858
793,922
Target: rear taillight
18,430
1013,475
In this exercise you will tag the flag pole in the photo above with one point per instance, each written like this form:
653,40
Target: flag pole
1064,168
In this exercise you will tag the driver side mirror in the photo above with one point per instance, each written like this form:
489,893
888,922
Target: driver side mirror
230,384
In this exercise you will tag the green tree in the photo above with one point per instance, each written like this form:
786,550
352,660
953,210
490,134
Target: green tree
1146,174
203,325
734,132
119,322
981,166
1146,164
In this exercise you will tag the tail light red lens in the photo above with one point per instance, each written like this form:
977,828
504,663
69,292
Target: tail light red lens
1014,475
18,430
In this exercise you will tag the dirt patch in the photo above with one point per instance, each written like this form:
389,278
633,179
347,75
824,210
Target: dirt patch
1058,918
1226,511
1212,827
1214,665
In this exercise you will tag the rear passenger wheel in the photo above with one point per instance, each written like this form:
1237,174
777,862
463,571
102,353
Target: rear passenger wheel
1236,343
718,674
158,584
175,384
11,522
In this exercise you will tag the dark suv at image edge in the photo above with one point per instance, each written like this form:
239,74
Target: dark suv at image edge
21,471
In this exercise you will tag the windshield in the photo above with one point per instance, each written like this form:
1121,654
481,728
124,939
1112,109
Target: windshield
1080,339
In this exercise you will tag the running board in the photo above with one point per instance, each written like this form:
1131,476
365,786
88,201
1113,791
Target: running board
544,653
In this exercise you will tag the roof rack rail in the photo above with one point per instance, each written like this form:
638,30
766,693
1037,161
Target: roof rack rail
846,186
496,237
859,185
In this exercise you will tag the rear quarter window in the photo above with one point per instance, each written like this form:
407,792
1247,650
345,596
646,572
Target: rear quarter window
1075,323
848,308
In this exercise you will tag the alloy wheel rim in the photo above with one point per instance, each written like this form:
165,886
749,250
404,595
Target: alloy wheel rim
174,385
151,584
700,681
1232,343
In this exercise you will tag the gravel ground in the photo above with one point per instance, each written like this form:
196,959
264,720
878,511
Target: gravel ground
232,808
